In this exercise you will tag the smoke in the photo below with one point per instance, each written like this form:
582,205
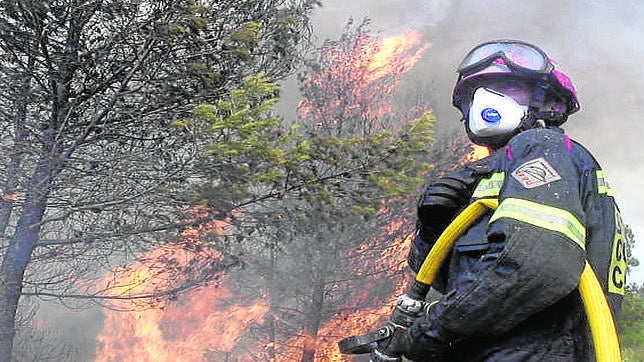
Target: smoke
598,43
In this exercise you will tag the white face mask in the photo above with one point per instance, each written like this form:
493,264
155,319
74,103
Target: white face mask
493,113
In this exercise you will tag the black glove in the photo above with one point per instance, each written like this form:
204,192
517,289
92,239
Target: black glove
397,344
447,195
401,343
417,253
443,197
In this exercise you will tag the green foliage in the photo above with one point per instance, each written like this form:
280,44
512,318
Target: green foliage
245,138
631,328
631,320
403,164
351,161
241,123
248,153
248,34
381,166
348,94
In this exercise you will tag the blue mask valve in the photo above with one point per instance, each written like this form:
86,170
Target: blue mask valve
490,115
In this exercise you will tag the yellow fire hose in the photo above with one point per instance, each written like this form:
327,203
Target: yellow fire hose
600,318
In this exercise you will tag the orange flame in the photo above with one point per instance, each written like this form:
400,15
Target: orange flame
358,319
390,55
198,325
368,70
201,325
363,320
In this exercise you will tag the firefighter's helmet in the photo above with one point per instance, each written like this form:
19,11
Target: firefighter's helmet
553,95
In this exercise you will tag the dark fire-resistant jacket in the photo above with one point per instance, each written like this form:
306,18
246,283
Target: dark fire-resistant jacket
510,284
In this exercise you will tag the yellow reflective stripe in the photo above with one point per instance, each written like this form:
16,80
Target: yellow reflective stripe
543,216
490,186
602,184
617,271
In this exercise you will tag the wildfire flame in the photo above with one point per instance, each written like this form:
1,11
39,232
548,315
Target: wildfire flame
391,55
364,320
197,326
368,69
200,325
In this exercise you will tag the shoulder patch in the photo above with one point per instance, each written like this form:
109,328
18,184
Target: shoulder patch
535,173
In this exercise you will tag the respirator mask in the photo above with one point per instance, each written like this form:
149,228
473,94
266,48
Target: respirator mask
494,114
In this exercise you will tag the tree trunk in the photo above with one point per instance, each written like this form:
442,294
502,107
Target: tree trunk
18,256
272,294
10,286
18,119
314,316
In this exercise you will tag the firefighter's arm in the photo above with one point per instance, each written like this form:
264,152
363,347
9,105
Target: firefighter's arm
536,253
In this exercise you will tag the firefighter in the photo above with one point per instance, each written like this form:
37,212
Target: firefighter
509,286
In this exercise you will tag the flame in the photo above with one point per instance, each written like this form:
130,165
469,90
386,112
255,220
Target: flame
364,320
368,70
199,326
10,197
390,55
355,319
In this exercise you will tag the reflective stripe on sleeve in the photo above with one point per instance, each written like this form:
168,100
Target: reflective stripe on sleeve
543,216
602,184
490,186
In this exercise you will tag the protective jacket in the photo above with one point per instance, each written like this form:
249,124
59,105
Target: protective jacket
510,285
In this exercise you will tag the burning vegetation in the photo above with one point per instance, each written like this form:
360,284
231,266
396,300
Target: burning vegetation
349,266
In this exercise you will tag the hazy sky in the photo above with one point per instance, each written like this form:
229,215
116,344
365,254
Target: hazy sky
598,43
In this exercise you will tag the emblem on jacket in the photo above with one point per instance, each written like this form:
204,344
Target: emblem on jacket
535,173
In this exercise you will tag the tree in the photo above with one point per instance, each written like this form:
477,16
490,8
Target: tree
318,248
630,243
631,327
631,318
91,91
327,186
347,96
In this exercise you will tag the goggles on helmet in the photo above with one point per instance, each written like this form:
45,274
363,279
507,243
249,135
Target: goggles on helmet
516,55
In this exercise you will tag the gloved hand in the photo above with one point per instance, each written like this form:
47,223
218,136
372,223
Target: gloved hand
397,344
443,197
401,343
417,253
